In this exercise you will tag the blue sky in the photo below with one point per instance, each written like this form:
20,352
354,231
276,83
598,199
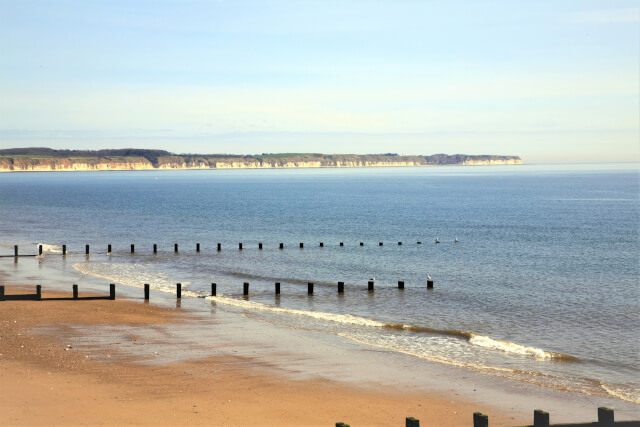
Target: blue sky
551,81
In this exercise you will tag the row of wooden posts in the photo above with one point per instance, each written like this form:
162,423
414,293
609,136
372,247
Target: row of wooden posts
38,295
214,289
540,419
175,247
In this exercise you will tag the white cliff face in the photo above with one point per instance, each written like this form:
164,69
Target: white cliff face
9,164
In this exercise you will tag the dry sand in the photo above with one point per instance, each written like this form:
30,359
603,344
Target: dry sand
44,382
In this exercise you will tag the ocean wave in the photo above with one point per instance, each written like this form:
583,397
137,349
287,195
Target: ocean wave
51,249
131,275
340,318
509,347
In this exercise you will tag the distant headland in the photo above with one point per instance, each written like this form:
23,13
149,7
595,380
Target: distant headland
47,159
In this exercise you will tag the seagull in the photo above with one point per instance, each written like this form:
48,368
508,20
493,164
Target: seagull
429,277
437,240
373,278
455,240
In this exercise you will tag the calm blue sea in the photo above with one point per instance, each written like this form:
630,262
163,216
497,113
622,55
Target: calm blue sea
542,285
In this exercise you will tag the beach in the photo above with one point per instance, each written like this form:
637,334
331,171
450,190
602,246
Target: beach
48,381
535,290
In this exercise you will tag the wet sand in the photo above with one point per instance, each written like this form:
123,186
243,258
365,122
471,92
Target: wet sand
48,380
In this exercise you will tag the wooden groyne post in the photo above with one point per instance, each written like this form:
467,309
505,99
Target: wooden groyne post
2,293
309,288
239,246
361,243
380,244
281,245
109,248
400,284
197,247
540,418
480,420
429,284
15,250
399,243
75,291
155,248
245,288
260,245
146,292
214,290
341,287
178,290
175,247
38,292
112,291
277,288
39,249
370,286
133,248
86,249
64,249
219,247
412,422
341,243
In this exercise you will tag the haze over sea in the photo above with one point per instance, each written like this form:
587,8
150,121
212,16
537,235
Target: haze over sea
542,285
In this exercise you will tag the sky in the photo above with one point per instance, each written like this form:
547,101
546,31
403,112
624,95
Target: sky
550,81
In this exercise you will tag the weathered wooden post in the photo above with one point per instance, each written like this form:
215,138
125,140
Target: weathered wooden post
361,243
309,288
277,288
540,418
214,290
39,249
341,287
370,286
112,291
281,245
86,249
146,292
429,284
240,246
175,247
64,249
133,248
109,248
2,293
245,290
15,250
321,244
260,245
75,291
197,247
412,422
399,243
605,416
219,246
155,248
38,293
301,245
178,290
380,244
480,420
341,243
418,243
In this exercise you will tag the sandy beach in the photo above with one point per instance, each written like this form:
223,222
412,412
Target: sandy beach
47,381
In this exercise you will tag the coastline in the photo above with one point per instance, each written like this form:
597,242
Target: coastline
184,360
97,385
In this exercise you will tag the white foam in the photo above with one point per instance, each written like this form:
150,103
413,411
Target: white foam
130,275
340,318
509,347
51,249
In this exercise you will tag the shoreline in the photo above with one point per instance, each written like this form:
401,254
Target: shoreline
97,384
196,335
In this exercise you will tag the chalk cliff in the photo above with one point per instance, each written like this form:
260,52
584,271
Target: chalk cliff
34,162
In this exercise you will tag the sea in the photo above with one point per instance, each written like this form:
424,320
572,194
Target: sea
536,276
